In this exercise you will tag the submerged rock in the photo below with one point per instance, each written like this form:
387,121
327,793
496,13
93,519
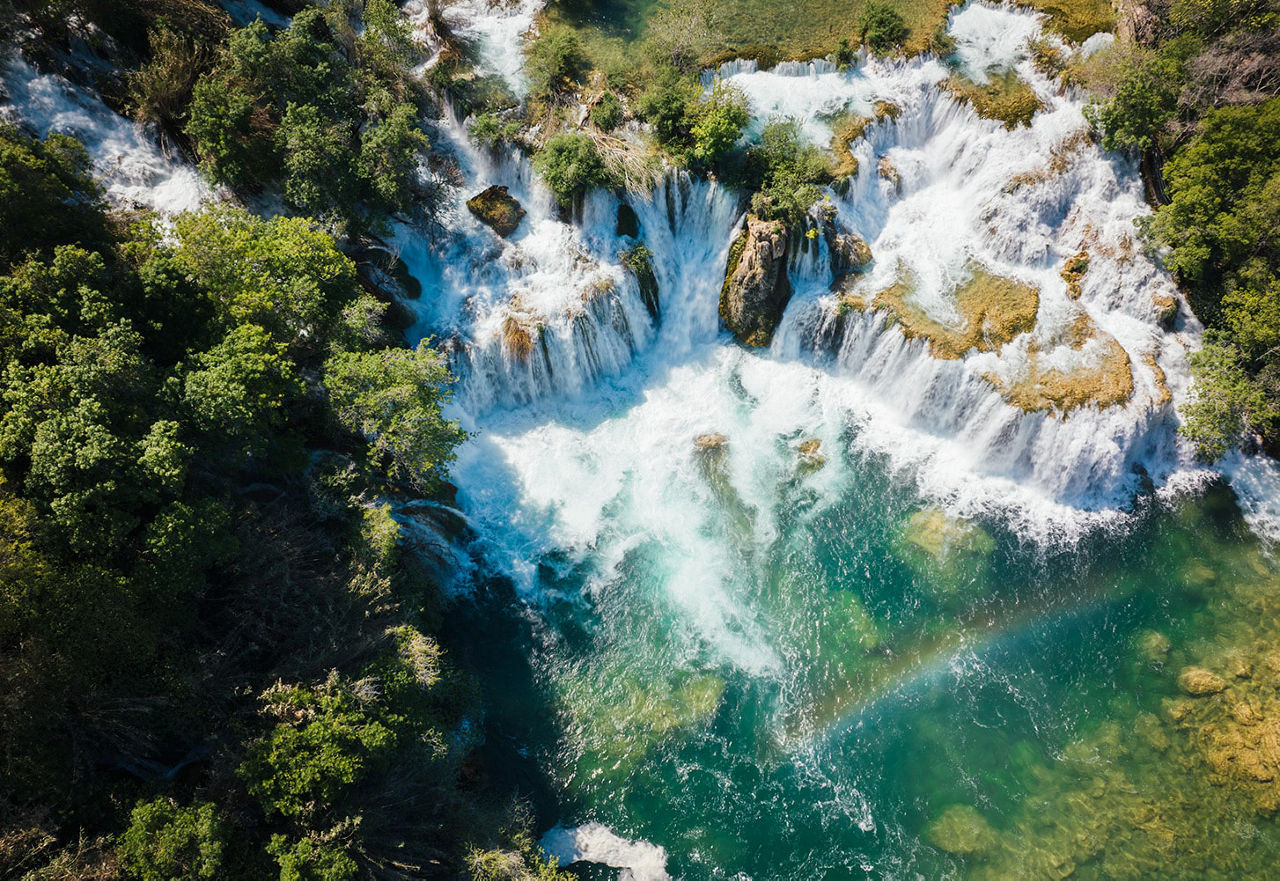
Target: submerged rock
962,830
756,289
1198,682
498,209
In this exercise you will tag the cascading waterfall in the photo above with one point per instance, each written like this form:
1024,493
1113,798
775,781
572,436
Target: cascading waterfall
551,314
752,611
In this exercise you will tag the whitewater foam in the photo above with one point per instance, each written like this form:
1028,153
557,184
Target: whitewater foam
597,843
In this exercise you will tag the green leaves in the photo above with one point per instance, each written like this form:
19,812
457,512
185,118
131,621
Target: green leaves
1226,404
1145,99
571,165
393,399
165,842
883,27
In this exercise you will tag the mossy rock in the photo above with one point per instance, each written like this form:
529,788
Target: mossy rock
994,310
1073,270
498,209
963,831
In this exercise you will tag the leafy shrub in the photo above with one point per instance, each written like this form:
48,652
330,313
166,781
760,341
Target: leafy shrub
785,172
555,61
491,130
882,27
718,119
160,91
571,165
1226,405
165,842
607,114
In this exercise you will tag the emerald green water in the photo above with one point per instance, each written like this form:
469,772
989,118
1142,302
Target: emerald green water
871,686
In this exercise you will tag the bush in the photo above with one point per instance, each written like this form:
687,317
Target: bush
607,114
664,106
160,90
785,172
571,165
555,61
490,130
165,842
882,27
717,122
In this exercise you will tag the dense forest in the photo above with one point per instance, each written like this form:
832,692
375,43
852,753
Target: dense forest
217,657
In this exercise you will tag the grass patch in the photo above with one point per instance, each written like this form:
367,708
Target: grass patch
1076,20
993,311
1005,97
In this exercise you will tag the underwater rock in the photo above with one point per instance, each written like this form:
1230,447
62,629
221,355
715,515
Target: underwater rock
1198,682
962,830
1166,310
497,209
1153,646
756,289
628,222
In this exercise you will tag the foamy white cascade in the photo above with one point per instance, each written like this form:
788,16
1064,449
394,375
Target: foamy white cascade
597,843
958,203
132,168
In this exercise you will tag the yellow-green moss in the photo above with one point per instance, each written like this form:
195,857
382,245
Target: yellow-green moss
993,311
1004,97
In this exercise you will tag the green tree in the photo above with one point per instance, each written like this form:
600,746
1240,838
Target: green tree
1225,188
883,27
718,121
393,399
1144,101
165,842
571,165
389,158
606,115
282,274
786,173
47,196
1226,405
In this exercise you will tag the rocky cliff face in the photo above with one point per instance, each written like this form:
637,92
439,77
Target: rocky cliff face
849,252
756,289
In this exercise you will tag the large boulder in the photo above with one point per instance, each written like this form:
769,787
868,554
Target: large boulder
756,289
498,209
849,251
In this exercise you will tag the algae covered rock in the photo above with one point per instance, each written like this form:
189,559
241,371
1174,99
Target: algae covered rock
1166,310
887,170
1073,270
498,209
810,454
961,830
639,262
849,251
948,552
756,289
1199,682
712,440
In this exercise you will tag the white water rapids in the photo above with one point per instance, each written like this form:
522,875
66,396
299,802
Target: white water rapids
585,445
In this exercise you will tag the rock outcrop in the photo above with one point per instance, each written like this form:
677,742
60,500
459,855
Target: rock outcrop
756,289
498,209
849,252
